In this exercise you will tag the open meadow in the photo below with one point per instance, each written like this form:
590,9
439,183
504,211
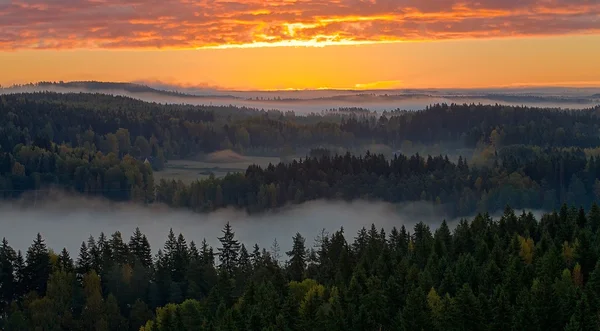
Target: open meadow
219,164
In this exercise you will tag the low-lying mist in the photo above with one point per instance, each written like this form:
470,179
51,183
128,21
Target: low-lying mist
66,221
304,106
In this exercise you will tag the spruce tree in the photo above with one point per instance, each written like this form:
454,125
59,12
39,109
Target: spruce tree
84,261
181,259
7,274
194,253
297,262
120,251
105,260
20,278
38,266
228,253
255,256
207,255
95,254
65,262
244,263
140,248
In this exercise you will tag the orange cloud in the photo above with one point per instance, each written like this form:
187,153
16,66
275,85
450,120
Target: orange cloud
63,24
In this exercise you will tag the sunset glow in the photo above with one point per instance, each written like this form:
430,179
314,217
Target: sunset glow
93,31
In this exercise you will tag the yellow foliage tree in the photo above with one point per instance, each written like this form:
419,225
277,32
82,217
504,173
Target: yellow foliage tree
527,247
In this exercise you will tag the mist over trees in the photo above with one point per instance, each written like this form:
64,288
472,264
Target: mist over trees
517,272
103,145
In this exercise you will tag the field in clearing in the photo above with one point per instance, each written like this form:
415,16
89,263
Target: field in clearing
218,163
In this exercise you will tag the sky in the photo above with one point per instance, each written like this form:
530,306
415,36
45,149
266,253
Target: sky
303,44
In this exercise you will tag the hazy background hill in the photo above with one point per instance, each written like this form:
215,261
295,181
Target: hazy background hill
306,101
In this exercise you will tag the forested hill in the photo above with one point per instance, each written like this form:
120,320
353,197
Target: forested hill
114,124
513,273
96,144
541,180
100,87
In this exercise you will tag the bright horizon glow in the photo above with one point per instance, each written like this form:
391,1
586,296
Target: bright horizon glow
470,63
303,44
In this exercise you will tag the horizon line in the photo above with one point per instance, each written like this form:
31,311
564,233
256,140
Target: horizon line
159,85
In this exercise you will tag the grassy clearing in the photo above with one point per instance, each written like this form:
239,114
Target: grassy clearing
218,163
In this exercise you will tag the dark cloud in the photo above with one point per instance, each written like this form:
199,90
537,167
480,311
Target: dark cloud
190,24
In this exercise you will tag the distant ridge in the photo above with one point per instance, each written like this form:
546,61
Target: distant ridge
111,86
322,100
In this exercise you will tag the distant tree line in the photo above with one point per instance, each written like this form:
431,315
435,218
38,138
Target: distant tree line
541,180
104,145
513,273
128,126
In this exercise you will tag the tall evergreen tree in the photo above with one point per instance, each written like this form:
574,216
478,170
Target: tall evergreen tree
65,262
181,259
118,248
84,261
95,253
297,262
207,255
38,267
7,274
140,248
229,250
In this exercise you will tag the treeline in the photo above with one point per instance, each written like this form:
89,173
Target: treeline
515,273
128,126
76,170
474,124
540,180
520,176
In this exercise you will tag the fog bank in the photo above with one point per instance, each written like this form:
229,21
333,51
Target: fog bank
67,221
306,102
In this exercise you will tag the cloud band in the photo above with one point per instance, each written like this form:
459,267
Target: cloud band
67,24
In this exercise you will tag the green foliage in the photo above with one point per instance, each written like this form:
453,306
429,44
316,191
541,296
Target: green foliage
527,280
513,273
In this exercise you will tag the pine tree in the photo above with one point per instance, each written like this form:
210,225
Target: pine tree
275,251
297,262
105,260
194,253
169,251
207,255
181,259
140,248
120,251
38,267
594,218
443,240
228,253
95,254
7,274
65,262
244,263
84,261
20,278
170,247
255,256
